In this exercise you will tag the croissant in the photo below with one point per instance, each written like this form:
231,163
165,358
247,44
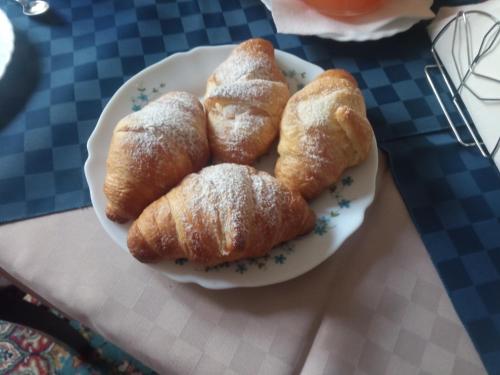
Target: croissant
324,130
244,101
151,151
224,213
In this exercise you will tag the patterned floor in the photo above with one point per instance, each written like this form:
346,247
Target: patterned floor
24,351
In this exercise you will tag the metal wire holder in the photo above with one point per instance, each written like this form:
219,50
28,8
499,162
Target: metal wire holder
461,24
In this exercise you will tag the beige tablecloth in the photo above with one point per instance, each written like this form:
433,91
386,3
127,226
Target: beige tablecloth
376,307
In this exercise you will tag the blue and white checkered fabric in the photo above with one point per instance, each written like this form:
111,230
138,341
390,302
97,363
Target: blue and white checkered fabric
453,196
78,56
68,64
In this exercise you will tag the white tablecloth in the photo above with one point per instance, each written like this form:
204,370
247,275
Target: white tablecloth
376,307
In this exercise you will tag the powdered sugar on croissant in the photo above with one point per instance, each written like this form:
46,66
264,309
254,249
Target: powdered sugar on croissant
152,150
224,213
244,100
324,130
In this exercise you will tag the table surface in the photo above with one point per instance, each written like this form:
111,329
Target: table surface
376,307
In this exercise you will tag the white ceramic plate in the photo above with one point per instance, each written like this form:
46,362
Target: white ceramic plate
355,35
6,42
339,212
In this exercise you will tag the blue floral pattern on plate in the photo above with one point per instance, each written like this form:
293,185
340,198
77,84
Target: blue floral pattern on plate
325,223
143,96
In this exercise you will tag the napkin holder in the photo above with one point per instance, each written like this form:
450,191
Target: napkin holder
460,24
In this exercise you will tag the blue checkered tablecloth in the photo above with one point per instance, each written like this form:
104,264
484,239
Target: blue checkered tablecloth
67,65
453,196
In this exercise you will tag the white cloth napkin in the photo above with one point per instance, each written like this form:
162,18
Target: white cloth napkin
485,115
297,17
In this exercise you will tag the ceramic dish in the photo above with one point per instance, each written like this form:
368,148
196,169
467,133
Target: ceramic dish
339,211
354,34
6,42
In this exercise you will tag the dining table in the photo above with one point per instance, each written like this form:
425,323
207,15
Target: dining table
414,290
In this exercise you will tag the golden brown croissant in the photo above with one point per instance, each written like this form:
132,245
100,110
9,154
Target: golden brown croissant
244,100
324,130
224,213
152,150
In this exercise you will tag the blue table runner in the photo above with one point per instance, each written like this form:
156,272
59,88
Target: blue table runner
453,196
66,66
